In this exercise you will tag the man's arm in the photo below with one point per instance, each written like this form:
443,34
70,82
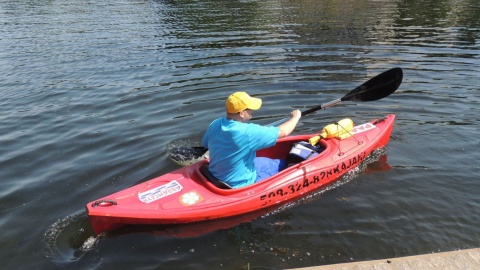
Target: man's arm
286,128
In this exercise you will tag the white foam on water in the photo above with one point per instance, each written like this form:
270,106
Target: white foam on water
69,238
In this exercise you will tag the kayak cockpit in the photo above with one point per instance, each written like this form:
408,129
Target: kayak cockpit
215,181
279,151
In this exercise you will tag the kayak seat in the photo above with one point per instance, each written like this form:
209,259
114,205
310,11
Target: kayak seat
215,181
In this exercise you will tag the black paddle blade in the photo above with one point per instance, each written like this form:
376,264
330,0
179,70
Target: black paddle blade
377,87
187,155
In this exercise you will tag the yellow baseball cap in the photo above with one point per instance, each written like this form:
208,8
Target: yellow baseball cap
240,101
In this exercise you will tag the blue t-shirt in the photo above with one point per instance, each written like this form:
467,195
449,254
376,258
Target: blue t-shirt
233,147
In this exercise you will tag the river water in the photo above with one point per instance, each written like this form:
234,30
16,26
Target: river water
93,92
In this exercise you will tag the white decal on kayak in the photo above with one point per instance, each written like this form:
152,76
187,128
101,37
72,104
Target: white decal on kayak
190,198
160,192
362,128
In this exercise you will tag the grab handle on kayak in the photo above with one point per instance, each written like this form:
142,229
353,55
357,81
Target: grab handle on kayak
104,203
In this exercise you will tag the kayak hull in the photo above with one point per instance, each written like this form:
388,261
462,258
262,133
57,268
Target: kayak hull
186,195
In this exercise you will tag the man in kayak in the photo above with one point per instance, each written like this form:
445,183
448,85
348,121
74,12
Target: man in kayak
233,143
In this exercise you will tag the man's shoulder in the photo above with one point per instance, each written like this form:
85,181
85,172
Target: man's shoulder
218,121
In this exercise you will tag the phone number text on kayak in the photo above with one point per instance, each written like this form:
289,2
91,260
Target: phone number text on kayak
315,179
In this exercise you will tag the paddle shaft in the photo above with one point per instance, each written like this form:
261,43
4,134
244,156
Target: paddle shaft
309,111
376,88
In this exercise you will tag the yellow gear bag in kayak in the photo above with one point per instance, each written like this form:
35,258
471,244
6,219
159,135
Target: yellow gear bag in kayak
340,130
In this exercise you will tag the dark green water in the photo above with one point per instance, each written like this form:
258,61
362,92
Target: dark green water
92,92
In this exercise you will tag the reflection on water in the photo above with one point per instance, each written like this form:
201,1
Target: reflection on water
93,92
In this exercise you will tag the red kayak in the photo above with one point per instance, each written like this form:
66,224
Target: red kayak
186,195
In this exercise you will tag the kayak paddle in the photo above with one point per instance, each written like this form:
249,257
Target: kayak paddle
376,88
